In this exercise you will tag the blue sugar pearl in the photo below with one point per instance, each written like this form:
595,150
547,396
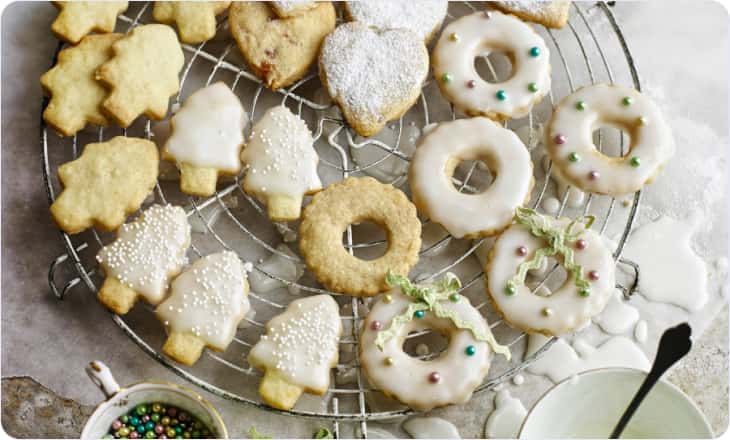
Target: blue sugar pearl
149,425
501,95
471,350
419,314
140,428
134,421
535,51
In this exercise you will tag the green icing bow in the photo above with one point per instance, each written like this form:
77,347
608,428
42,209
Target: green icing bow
428,299
558,240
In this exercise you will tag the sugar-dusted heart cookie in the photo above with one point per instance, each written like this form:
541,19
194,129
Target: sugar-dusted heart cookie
195,21
291,8
206,303
423,17
76,19
374,75
109,181
206,138
550,13
145,256
279,50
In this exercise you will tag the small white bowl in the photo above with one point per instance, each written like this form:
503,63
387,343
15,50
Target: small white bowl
121,400
590,404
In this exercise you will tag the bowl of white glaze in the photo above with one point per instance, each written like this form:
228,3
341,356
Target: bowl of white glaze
590,404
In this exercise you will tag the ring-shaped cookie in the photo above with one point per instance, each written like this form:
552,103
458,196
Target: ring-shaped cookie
353,201
570,306
480,34
440,152
450,378
569,139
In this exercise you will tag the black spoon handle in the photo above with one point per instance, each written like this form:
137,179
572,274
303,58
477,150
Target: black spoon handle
674,344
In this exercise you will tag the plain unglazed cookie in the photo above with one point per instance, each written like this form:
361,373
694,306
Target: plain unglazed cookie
279,50
550,13
109,181
281,163
352,201
206,138
206,303
291,8
374,75
195,20
298,351
76,19
145,256
424,17
76,96
143,73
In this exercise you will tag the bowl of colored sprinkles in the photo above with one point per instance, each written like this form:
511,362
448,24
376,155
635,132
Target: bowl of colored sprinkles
148,410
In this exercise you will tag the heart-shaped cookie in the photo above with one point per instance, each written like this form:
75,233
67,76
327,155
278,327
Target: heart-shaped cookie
374,75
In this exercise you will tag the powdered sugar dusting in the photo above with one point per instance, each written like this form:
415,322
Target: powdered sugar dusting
528,6
421,17
290,5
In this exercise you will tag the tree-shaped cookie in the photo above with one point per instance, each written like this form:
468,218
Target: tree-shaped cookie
195,21
206,139
282,163
109,181
298,350
206,303
76,96
142,74
76,19
145,256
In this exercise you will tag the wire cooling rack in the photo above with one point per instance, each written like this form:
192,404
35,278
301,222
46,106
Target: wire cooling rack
592,37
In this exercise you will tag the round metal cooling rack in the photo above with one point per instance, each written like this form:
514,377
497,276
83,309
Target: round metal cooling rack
592,33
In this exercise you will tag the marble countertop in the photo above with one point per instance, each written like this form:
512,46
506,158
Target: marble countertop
52,340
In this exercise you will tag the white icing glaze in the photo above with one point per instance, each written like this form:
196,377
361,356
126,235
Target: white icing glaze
470,215
535,341
149,251
650,139
574,197
208,300
568,309
422,17
506,419
477,35
641,331
207,132
618,317
430,427
407,379
301,343
280,157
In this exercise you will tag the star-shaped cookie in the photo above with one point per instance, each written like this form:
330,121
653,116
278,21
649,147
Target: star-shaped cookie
195,21
76,19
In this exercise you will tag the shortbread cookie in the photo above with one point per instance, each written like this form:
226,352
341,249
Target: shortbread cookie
143,73
466,215
76,96
279,50
523,247
550,13
447,379
206,303
76,19
291,8
143,259
353,201
423,17
569,139
374,75
195,21
109,181
298,351
479,34
206,138
282,163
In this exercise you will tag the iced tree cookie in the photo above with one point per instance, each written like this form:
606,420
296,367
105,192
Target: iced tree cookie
352,201
470,215
280,50
479,34
76,19
195,21
422,17
569,139
291,8
374,75
142,74
206,303
146,255
281,163
76,96
206,138
523,247
109,181
298,351
449,378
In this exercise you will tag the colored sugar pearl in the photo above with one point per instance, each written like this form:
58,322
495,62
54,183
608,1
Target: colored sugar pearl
594,175
152,424
165,421
145,418
547,311
134,421
559,139
471,83
375,325
573,157
116,425
535,52
532,87
434,377
134,434
580,244
470,350
643,120
454,297
419,314
172,412
446,78
124,418
584,292
389,361
510,290
487,14
159,429
149,425
170,432
501,95
635,161
150,434
594,275
388,298
156,407
627,101
454,36
155,417
580,105
521,251
140,428
124,431
183,416
141,410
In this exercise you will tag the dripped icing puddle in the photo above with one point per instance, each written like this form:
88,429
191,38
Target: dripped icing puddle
641,331
618,317
430,427
276,265
507,417
671,272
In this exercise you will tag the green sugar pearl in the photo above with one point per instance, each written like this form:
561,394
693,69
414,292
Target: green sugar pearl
510,289
501,95
454,297
574,157
584,292
535,52
532,87
627,101
580,105
470,350
635,161
446,78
